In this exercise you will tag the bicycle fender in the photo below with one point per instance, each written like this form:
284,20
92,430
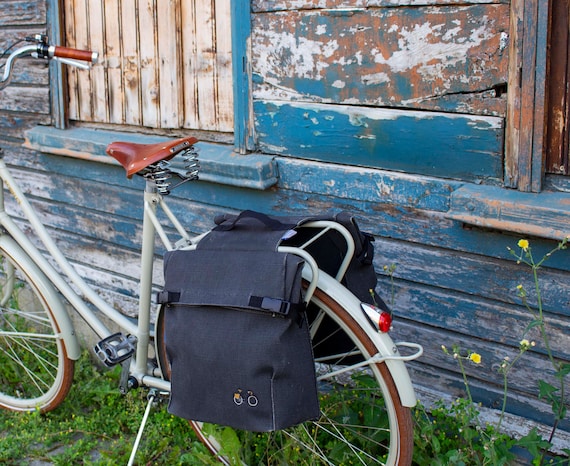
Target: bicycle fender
387,349
66,330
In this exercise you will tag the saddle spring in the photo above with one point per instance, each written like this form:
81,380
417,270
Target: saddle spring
191,163
162,172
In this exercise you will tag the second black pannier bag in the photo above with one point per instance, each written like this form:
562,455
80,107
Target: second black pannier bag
237,336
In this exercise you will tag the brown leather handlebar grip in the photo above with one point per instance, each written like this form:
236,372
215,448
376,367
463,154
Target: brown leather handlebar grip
83,55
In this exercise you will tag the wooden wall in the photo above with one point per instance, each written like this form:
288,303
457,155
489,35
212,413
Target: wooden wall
440,123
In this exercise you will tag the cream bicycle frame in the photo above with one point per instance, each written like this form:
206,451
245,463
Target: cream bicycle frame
151,377
79,300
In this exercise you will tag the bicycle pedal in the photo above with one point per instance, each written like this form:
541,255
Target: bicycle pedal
115,349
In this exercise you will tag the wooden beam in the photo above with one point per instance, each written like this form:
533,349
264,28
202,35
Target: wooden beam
464,147
58,78
241,69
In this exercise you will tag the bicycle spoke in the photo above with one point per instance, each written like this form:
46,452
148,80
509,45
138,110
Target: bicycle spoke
313,448
336,433
33,376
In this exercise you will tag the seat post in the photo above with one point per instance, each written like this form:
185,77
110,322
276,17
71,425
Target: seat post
151,200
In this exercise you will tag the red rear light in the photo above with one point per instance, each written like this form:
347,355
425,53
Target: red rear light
379,319
385,321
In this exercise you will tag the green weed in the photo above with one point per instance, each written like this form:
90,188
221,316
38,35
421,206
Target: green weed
96,425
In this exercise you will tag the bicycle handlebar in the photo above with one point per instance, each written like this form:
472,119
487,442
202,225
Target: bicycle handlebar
41,49
66,52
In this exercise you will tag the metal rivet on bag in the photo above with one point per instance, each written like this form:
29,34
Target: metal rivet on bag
252,399
238,398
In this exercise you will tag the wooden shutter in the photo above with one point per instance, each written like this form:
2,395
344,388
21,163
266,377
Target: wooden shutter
558,132
164,63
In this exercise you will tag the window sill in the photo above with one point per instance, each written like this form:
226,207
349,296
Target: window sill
218,163
545,215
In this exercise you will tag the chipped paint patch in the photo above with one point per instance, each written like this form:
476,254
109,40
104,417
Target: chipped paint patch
377,78
300,56
426,57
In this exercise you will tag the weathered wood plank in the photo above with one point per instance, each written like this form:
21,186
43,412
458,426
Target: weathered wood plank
558,110
493,207
15,124
445,58
476,275
540,95
99,88
363,184
149,64
22,13
224,99
529,411
515,426
131,63
70,72
29,71
523,379
456,146
218,163
190,64
77,29
278,5
205,70
112,38
25,99
465,312
169,72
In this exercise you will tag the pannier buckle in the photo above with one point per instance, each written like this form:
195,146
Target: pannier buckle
277,306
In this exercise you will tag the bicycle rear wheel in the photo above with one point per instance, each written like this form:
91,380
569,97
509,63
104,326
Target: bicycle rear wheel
35,372
362,419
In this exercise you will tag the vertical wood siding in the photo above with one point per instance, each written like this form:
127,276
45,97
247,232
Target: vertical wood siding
164,63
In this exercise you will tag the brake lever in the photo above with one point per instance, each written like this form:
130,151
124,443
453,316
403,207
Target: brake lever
71,62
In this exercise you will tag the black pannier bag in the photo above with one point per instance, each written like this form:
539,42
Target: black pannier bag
237,336
328,251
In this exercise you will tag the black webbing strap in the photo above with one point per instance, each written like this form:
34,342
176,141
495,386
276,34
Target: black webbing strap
164,297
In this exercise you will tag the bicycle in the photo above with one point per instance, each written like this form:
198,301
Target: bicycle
365,402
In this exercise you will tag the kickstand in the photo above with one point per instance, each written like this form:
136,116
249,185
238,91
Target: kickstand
151,397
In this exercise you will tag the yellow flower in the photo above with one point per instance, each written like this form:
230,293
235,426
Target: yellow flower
475,357
524,343
523,244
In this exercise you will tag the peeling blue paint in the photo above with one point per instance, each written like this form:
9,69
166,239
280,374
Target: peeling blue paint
447,145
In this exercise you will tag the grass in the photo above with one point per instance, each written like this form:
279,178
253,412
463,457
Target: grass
96,425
